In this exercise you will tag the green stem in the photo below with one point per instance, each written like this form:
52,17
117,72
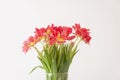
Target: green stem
36,49
56,76
77,41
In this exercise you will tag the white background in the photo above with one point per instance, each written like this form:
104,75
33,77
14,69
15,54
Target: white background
99,61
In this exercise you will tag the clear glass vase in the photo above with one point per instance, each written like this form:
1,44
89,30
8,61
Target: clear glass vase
56,76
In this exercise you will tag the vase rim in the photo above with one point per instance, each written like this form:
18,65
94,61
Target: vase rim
57,73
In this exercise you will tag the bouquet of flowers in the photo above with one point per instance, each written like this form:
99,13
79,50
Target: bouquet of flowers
59,46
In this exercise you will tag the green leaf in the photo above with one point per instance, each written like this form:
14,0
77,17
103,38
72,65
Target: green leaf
35,68
43,61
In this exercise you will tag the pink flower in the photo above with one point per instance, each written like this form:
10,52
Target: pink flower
31,41
25,47
60,34
83,33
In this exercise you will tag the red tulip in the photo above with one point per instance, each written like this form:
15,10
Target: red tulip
83,33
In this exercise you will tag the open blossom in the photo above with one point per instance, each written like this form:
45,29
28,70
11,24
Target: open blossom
25,47
83,33
40,33
31,41
60,34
